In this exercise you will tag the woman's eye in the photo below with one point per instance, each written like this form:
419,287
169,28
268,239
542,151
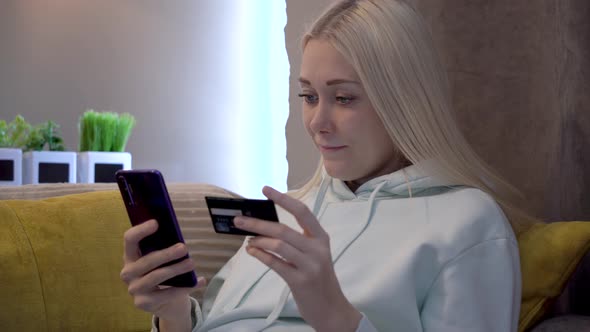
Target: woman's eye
344,100
308,98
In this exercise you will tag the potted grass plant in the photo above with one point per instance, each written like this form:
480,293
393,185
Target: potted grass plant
13,137
103,138
45,159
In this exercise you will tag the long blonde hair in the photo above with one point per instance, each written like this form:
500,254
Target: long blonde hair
392,51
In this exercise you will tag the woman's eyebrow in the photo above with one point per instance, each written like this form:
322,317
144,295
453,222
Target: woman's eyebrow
341,81
330,82
304,81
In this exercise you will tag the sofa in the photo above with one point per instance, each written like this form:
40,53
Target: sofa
61,253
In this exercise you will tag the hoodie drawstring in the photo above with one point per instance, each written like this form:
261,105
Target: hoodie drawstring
368,216
275,313
320,196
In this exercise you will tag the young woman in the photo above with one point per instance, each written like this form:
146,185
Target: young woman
402,228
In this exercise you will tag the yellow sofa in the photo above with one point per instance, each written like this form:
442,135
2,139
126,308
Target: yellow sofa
61,254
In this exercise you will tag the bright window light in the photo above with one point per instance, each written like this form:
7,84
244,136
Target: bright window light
263,98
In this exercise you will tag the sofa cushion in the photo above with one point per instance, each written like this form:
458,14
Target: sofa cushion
549,254
61,257
76,244
21,294
47,190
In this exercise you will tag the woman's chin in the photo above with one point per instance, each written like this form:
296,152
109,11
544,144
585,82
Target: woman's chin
338,171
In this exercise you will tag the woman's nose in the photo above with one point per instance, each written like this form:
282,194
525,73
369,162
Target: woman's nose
322,118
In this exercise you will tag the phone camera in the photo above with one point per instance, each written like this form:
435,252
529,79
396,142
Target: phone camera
128,192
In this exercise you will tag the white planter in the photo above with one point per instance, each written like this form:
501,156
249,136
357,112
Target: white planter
49,167
95,166
11,167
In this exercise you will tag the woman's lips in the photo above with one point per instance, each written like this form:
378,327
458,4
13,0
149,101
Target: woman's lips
331,149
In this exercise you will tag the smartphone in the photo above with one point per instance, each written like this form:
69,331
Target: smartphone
223,210
146,197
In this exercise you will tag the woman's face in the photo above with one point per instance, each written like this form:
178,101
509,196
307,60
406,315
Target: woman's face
340,119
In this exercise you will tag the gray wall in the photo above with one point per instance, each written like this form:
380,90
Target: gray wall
60,57
171,64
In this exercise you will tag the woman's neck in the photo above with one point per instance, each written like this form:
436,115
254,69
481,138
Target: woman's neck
389,168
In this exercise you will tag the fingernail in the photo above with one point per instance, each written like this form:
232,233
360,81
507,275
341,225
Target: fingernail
239,221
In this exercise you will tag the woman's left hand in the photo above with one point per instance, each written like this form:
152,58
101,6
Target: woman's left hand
305,263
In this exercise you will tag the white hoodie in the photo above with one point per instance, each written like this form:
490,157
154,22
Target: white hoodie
410,253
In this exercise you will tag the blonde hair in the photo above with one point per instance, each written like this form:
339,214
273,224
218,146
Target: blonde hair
392,51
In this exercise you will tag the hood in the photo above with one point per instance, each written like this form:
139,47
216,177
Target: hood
407,182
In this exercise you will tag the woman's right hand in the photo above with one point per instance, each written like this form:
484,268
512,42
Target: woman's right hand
142,276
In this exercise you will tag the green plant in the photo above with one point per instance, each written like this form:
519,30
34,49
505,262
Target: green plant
45,134
15,133
105,131
87,128
124,128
